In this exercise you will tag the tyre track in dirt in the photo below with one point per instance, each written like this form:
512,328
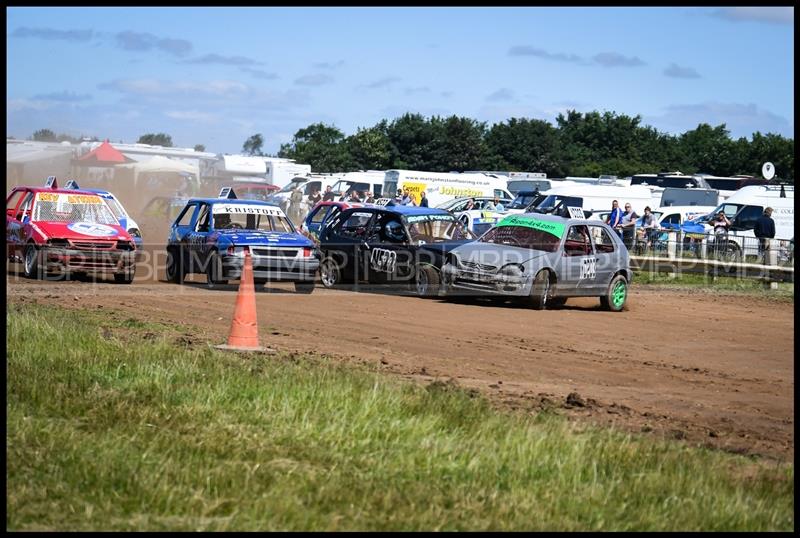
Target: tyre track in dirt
713,369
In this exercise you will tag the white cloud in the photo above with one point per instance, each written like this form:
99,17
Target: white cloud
740,119
676,71
773,15
192,115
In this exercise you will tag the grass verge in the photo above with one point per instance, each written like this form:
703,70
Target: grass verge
107,431
720,284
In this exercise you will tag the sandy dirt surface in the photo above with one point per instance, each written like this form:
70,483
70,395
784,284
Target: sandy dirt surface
711,369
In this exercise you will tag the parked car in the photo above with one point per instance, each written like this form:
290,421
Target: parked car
212,235
458,205
66,231
543,260
392,244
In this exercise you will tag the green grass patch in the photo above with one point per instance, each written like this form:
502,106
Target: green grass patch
110,434
704,281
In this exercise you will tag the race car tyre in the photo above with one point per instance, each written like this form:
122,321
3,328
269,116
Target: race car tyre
616,294
214,272
427,281
125,278
329,273
557,302
304,287
32,263
540,290
175,269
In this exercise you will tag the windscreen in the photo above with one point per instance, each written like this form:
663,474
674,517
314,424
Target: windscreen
436,228
61,207
526,232
524,200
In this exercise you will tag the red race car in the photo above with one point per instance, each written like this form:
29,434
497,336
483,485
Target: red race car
66,231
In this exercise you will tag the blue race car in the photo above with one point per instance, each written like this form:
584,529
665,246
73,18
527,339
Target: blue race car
211,236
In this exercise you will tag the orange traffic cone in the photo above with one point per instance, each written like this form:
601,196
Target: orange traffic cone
244,328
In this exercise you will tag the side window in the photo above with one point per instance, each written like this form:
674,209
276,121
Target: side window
499,193
393,231
378,190
747,217
319,216
186,215
461,206
11,203
602,239
355,227
202,219
577,242
675,218
26,206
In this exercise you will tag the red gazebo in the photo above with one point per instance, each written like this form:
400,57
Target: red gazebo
103,155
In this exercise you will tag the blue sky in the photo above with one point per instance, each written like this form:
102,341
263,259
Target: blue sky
215,76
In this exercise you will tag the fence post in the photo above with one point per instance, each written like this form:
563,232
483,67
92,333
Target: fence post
704,247
771,257
672,244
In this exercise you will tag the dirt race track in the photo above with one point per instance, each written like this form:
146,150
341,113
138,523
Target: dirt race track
715,370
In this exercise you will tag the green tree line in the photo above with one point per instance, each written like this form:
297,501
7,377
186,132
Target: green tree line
580,144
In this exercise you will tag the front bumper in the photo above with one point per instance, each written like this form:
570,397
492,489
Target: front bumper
273,268
459,281
57,259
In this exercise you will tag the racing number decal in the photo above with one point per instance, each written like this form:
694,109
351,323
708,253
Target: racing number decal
383,260
588,268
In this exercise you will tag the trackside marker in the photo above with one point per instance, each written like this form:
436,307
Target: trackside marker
244,327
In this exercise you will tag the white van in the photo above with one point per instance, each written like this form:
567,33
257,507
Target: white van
307,184
597,198
440,187
369,181
746,205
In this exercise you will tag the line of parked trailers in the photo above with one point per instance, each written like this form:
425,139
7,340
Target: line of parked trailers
531,252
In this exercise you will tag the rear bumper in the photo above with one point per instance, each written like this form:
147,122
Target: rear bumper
88,261
274,269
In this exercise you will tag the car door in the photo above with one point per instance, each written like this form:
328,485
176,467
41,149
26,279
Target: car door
182,230
606,254
344,241
14,234
390,258
577,273
316,218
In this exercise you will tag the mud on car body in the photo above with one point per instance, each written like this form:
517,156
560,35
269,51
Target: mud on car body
66,231
212,236
400,246
542,259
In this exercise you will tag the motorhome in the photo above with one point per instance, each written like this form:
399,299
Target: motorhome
689,197
440,187
729,185
745,206
658,182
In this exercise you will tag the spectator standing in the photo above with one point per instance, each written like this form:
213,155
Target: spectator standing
764,231
355,196
328,196
423,200
470,205
615,217
406,199
628,225
370,199
649,226
314,198
295,206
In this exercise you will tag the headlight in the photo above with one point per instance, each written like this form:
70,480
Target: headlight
512,269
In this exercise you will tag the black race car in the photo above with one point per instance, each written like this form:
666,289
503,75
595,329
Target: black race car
397,246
